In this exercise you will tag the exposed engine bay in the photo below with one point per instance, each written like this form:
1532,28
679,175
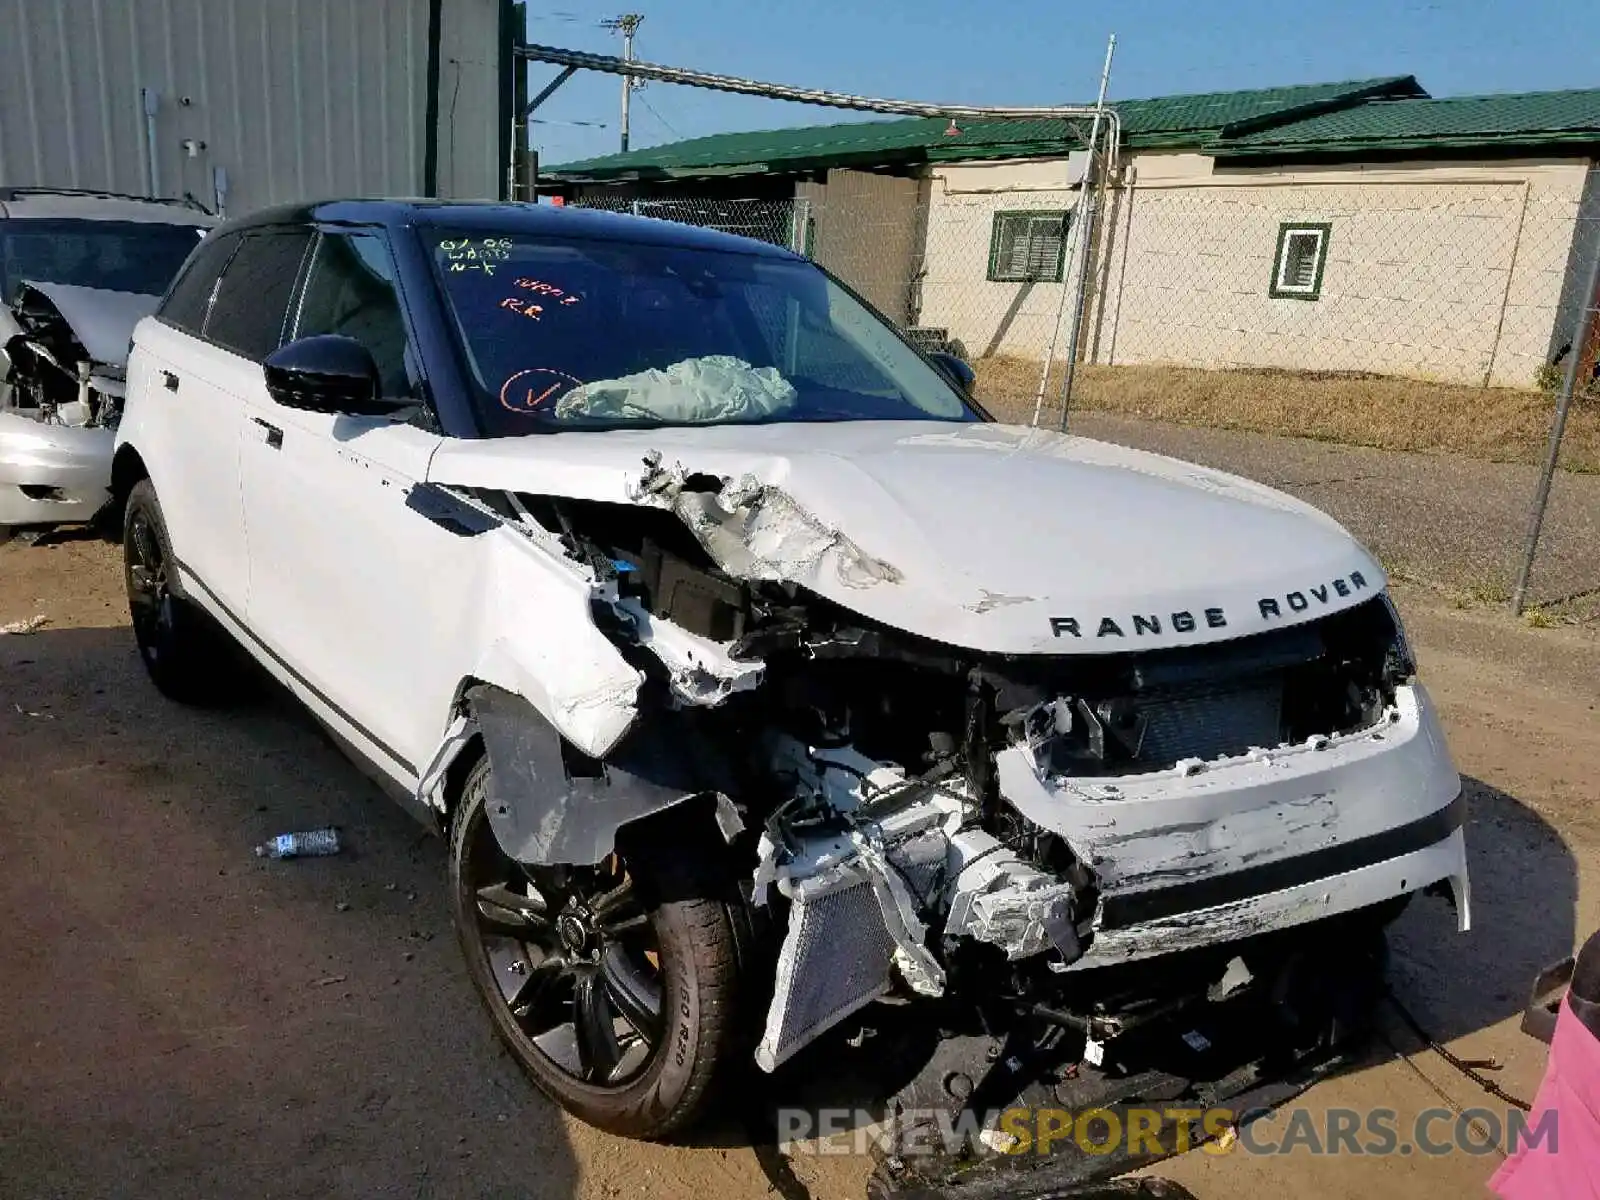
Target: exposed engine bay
52,376
982,827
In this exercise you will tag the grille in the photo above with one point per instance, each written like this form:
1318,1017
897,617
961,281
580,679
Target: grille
1213,723
1158,708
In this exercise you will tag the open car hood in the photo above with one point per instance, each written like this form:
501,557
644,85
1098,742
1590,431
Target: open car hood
997,538
101,320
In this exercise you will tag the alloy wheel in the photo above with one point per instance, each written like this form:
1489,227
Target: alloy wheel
150,599
575,958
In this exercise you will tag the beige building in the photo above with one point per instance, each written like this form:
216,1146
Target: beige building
1342,227
1454,270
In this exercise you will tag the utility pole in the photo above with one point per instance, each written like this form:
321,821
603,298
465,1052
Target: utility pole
627,23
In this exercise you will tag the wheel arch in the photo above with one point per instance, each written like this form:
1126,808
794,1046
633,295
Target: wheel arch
127,469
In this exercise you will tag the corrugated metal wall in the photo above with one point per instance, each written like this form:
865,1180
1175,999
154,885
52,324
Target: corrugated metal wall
470,165
294,99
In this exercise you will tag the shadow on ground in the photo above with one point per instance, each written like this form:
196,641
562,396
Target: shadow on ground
1524,902
185,1019
188,1019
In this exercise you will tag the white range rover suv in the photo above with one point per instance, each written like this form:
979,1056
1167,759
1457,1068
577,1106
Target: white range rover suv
756,674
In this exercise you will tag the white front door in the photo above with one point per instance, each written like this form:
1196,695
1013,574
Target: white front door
351,589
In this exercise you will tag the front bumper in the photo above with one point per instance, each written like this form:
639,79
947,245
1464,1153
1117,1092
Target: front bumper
74,462
1213,852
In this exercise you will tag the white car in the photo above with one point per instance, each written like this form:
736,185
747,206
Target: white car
77,272
753,670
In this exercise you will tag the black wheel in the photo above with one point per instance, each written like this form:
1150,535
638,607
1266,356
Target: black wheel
617,1004
187,656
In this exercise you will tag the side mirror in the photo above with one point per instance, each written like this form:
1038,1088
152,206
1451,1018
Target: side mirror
956,368
329,373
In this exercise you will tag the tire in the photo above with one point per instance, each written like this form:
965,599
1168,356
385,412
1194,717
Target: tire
186,655
667,976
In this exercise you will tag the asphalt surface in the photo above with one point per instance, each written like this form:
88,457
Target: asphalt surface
1451,523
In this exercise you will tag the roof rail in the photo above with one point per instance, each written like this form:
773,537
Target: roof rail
8,194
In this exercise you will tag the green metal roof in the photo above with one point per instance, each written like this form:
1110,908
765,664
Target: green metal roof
1168,121
1524,120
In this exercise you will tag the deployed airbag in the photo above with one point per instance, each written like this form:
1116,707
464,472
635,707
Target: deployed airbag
694,391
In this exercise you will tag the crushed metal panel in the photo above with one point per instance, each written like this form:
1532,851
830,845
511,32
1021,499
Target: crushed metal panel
569,670
701,671
757,531
430,793
863,513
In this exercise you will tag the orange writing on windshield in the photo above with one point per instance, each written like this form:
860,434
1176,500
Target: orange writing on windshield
534,389
525,308
547,289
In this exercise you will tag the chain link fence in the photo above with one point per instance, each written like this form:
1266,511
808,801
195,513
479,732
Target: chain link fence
1463,281
779,222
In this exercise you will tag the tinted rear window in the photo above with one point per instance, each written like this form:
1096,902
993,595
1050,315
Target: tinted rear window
189,300
247,315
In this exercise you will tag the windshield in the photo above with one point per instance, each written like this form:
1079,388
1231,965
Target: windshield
603,334
120,256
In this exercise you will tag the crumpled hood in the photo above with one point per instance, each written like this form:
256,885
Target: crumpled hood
101,320
997,538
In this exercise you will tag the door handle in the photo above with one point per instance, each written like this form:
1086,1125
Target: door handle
169,381
274,434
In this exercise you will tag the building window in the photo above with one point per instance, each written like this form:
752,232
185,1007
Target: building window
1028,247
1297,266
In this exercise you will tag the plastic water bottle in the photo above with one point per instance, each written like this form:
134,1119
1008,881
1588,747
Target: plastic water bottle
316,843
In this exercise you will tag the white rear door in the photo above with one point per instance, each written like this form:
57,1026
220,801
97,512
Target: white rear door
191,371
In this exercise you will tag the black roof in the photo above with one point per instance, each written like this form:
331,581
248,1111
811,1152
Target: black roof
488,216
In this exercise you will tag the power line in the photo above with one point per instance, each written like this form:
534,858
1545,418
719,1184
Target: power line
650,108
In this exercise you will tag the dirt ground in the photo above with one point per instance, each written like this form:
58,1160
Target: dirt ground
1385,412
182,1019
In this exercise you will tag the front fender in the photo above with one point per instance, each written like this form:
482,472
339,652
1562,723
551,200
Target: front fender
591,698
535,637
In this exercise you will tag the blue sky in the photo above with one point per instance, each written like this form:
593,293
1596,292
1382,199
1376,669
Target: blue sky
1038,52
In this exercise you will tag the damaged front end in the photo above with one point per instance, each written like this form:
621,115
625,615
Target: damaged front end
1080,843
62,387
